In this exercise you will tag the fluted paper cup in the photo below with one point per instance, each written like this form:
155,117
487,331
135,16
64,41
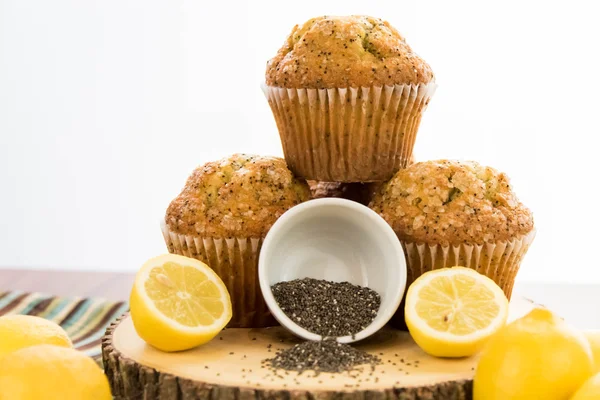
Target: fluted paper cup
235,260
361,134
498,261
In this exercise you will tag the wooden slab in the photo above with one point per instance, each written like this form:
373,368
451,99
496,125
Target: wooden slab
230,367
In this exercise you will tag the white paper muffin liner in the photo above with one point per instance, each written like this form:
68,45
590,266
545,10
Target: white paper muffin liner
498,261
361,134
235,260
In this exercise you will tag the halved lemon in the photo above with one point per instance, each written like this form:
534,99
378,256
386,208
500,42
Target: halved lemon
178,303
451,312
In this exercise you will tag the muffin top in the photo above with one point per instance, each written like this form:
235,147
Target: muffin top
452,202
239,196
348,51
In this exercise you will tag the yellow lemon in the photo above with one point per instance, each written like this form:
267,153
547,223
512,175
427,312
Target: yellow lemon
593,338
538,356
178,303
19,331
451,312
590,390
51,373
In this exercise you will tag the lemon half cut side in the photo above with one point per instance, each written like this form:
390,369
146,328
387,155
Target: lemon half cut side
451,312
178,303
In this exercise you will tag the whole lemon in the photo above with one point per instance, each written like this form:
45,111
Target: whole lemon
593,338
19,331
51,373
590,390
538,356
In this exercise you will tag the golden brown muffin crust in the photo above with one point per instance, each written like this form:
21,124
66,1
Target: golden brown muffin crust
346,51
239,196
451,202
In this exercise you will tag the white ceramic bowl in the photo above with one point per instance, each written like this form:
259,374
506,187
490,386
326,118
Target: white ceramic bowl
336,240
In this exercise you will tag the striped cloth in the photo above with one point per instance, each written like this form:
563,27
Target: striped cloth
84,319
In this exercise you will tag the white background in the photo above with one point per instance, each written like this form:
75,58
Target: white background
107,106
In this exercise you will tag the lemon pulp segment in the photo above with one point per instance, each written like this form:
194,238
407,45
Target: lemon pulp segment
458,305
178,303
451,312
184,294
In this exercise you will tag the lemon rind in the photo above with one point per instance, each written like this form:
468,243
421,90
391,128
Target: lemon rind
144,273
425,329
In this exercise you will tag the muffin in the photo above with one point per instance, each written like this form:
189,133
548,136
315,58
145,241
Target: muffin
347,94
449,213
221,218
359,192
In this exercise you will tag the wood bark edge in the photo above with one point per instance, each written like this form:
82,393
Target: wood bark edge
130,380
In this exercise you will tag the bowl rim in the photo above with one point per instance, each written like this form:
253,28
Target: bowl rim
383,316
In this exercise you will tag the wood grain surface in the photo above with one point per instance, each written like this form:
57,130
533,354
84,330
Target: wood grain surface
230,366
109,285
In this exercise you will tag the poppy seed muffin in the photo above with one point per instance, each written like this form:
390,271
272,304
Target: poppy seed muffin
449,202
221,218
347,94
448,213
240,196
350,51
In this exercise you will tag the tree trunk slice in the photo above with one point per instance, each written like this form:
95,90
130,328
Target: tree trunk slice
229,367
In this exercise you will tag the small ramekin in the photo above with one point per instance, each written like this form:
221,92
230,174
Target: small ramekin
336,240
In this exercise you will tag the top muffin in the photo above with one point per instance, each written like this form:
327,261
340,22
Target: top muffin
347,51
239,196
451,202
